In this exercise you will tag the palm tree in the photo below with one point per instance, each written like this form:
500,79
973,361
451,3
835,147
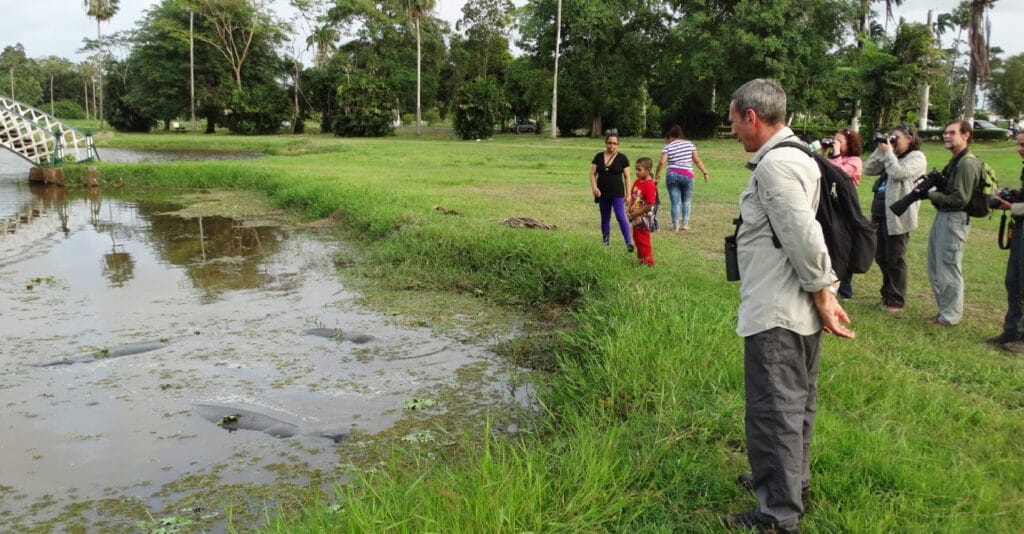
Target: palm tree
101,10
864,29
978,71
417,8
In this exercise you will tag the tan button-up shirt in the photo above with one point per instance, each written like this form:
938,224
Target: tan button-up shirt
776,283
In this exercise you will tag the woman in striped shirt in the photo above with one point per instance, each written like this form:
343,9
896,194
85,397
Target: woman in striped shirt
679,156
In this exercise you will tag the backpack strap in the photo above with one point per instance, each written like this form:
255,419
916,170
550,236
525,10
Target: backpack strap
783,144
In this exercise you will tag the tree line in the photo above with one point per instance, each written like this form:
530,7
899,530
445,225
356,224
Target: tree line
632,65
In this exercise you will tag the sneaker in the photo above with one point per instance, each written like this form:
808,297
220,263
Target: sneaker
630,247
1016,347
1001,339
746,481
757,522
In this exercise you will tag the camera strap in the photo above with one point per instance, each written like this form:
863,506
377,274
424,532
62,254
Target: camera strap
1005,232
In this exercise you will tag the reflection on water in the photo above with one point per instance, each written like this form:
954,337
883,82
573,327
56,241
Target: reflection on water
217,253
120,318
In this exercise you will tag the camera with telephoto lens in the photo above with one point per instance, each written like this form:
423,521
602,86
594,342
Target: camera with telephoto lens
826,142
920,191
883,139
1007,194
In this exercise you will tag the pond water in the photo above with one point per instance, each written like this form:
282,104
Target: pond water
148,358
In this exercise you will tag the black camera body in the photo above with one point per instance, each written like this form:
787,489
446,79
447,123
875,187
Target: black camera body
1007,194
827,142
920,191
883,139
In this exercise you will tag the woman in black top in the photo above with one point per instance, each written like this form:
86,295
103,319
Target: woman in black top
609,181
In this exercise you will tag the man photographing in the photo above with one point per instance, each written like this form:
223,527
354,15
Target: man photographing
786,300
950,229
1012,338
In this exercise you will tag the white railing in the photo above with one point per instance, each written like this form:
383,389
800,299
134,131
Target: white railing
41,138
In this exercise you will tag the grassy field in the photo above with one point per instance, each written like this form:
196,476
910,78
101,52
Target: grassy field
920,428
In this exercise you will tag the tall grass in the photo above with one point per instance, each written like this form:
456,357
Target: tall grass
919,429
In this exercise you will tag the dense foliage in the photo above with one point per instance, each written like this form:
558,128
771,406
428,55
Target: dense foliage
477,108
633,66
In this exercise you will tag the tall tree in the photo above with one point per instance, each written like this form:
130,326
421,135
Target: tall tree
234,26
1007,87
417,9
608,50
102,11
978,33
53,66
486,23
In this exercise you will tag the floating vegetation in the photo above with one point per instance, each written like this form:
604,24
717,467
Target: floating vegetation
32,282
418,403
423,436
165,525
229,422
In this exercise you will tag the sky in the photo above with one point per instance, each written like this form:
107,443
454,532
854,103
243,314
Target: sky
56,27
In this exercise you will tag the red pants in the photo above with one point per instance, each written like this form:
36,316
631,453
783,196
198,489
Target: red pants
642,240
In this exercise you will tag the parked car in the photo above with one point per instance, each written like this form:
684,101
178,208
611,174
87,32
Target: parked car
986,126
525,126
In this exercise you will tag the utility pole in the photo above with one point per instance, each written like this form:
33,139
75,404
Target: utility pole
554,91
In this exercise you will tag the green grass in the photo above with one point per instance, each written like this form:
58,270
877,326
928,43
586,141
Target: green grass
919,429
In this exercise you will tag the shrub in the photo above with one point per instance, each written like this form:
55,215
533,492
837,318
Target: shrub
257,111
409,119
431,116
477,108
68,110
365,104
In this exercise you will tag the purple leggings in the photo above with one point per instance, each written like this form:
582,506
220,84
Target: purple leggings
620,215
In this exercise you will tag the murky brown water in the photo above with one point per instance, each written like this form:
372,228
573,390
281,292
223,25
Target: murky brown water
127,333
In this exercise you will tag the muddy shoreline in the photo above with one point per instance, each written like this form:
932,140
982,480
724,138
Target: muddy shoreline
153,324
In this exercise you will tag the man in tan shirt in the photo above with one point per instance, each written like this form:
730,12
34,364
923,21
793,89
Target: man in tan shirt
786,300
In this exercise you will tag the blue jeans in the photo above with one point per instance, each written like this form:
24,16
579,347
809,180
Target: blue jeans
680,189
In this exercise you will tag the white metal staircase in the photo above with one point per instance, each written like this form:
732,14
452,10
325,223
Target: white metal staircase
41,138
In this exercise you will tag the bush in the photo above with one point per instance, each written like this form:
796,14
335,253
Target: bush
68,110
365,104
409,119
257,111
431,116
477,108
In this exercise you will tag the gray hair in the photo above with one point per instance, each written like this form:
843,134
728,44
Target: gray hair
765,96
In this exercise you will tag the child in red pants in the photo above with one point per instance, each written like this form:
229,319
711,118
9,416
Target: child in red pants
641,215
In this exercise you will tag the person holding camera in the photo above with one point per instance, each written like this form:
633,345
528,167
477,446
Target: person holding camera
1012,338
897,161
786,301
845,153
845,148
951,227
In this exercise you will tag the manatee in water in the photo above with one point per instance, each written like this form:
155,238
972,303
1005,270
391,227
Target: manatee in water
127,349
239,419
338,334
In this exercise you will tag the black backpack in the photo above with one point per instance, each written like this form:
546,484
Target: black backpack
849,236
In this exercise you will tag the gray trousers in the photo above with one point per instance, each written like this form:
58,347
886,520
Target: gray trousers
945,256
1013,325
780,370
